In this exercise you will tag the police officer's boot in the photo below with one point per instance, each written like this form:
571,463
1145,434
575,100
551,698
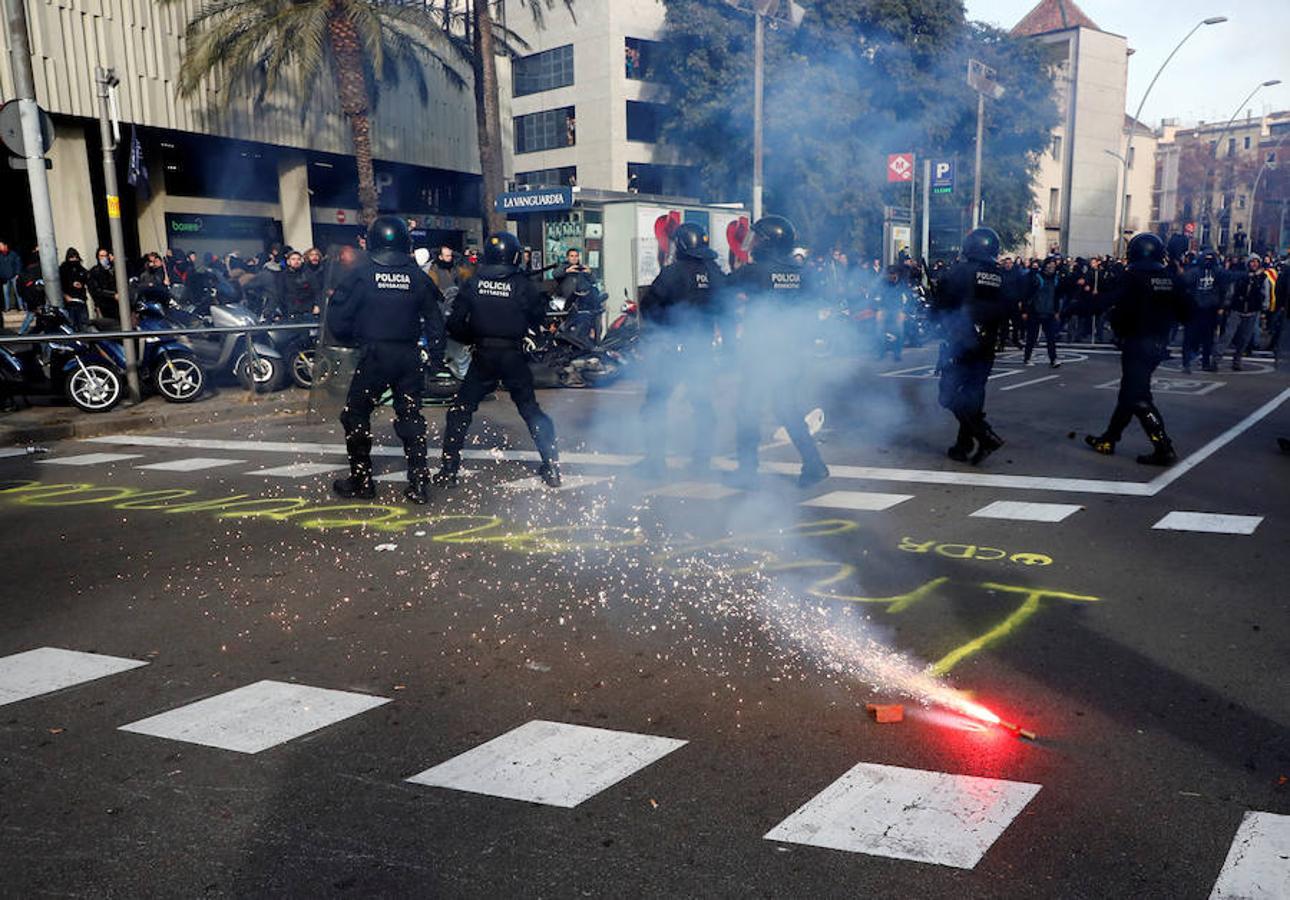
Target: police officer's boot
447,474
1162,449
549,472
355,487
987,441
961,451
1101,443
418,489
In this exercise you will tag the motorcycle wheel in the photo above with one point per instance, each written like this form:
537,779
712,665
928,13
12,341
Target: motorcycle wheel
263,373
302,367
179,379
94,388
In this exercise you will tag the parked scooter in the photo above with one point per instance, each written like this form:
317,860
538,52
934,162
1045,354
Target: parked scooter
167,364
252,359
299,349
619,349
85,372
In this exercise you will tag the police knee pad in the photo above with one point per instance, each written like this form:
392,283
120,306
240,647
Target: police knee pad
410,428
353,422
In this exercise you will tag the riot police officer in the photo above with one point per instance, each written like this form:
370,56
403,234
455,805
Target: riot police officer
971,307
384,305
776,320
1144,306
679,312
493,311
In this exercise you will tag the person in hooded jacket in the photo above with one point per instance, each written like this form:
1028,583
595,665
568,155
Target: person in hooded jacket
75,280
102,285
1251,295
1040,311
971,307
776,315
1144,305
493,311
679,312
1206,283
385,305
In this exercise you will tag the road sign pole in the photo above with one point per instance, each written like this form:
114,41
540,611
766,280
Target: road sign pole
42,210
976,172
759,87
924,245
106,80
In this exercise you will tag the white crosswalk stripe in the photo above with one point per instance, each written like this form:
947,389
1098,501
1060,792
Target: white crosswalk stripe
299,470
1208,523
911,814
550,763
256,717
1018,511
695,490
858,501
89,459
568,483
193,464
1258,863
46,669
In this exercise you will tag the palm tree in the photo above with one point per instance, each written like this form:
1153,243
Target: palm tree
257,44
478,32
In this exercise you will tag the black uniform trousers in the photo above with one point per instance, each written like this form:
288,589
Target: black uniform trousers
1050,326
761,384
386,366
1138,361
671,365
962,392
1199,335
491,362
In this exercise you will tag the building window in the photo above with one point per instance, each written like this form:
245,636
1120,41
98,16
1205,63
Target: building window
1240,201
671,181
1231,146
644,59
1054,206
561,177
645,121
545,130
1057,147
1133,153
543,71
1247,142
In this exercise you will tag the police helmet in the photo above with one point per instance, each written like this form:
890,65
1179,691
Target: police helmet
388,241
981,244
503,249
1146,249
775,235
692,240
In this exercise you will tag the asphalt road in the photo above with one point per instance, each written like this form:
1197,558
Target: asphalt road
633,689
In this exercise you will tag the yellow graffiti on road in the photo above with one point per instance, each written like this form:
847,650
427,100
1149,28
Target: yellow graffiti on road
730,556
314,516
762,552
972,551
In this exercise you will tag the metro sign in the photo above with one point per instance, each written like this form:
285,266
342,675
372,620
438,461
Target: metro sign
900,167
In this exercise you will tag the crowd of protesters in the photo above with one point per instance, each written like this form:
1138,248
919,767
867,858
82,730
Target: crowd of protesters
1241,301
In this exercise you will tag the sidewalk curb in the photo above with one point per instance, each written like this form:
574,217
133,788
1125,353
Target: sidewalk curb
164,415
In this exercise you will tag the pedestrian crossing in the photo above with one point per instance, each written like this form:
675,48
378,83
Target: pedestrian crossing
851,501
879,810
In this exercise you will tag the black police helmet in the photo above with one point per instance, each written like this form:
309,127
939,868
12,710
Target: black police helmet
981,244
691,240
388,241
775,235
1146,249
503,249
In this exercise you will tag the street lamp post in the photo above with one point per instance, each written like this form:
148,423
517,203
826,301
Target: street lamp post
775,10
1128,148
1218,142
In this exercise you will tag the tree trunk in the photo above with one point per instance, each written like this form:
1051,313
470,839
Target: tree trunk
487,116
352,88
